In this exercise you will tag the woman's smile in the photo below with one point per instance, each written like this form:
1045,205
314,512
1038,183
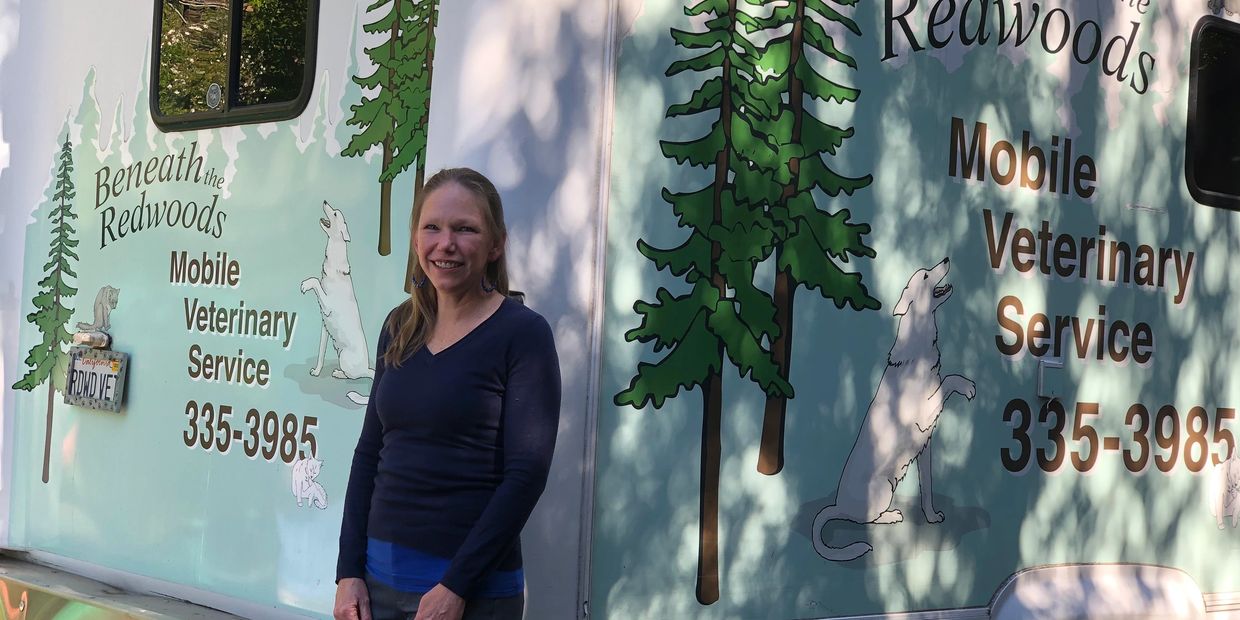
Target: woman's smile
453,242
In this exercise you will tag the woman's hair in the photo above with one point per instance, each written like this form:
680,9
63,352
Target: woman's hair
412,322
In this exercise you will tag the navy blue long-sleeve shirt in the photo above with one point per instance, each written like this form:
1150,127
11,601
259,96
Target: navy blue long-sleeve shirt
455,449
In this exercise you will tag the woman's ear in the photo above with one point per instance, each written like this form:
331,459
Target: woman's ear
498,249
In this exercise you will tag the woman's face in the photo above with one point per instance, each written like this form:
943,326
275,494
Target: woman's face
452,241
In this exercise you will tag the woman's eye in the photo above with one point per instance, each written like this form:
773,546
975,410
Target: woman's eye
430,227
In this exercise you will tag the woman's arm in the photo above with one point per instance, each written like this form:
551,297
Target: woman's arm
531,420
351,561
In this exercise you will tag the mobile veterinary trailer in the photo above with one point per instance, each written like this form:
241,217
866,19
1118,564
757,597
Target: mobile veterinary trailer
864,308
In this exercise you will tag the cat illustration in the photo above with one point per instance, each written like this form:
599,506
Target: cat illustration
105,303
1225,491
305,487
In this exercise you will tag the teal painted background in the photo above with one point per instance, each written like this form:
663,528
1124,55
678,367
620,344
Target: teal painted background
645,529
125,491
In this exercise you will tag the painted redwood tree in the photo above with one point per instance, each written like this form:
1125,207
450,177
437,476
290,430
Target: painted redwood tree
815,242
48,361
418,42
395,118
722,315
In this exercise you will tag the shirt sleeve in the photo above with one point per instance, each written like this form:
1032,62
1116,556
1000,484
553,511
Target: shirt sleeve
531,418
351,561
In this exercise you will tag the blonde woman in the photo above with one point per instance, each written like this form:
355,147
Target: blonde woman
459,430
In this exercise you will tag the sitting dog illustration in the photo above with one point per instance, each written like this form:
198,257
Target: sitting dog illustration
105,303
1225,490
305,487
898,426
341,320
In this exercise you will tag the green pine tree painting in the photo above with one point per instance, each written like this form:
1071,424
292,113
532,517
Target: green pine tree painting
815,244
418,40
48,359
397,117
722,315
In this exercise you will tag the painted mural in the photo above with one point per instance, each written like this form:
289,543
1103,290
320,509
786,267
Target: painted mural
1023,376
48,361
244,270
248,374
1014,343
397,117
766,155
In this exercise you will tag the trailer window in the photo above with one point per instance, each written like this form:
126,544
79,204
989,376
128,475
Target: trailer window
1212,162
228,62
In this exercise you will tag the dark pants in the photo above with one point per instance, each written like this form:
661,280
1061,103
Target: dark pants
388,603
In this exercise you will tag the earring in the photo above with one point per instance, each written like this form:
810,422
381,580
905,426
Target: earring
489,288
419,283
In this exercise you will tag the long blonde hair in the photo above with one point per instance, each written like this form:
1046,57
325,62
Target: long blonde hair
414,320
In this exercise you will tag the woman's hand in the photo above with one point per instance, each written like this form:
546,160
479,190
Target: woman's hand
440,604
352,600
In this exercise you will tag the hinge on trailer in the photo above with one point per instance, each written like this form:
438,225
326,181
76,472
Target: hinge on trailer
1053,388
585,610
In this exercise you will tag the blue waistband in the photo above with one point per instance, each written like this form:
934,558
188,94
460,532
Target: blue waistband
410,570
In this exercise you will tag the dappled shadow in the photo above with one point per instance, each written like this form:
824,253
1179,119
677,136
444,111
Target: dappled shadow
519,93
997,521
522,94
896,542
332,390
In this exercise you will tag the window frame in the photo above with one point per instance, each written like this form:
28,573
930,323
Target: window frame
1203,196
230,114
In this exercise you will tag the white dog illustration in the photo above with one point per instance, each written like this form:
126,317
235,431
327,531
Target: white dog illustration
900,421
305,487
341,320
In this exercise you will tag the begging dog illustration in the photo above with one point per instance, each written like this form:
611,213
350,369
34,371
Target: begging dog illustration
902,417
341,320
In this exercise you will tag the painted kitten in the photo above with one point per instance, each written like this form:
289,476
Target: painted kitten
305,487
1225,491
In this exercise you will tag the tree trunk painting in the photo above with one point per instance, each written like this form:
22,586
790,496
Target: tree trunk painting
396,117
813,242
427,16
385,184
47,360
723,315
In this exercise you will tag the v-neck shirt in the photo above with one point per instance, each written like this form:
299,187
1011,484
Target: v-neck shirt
470,332
455,449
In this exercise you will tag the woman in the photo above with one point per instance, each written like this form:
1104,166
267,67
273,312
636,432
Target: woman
459,430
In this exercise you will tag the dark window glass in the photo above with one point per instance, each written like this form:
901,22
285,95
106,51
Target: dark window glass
193,50
273,51
1214,127
226,62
